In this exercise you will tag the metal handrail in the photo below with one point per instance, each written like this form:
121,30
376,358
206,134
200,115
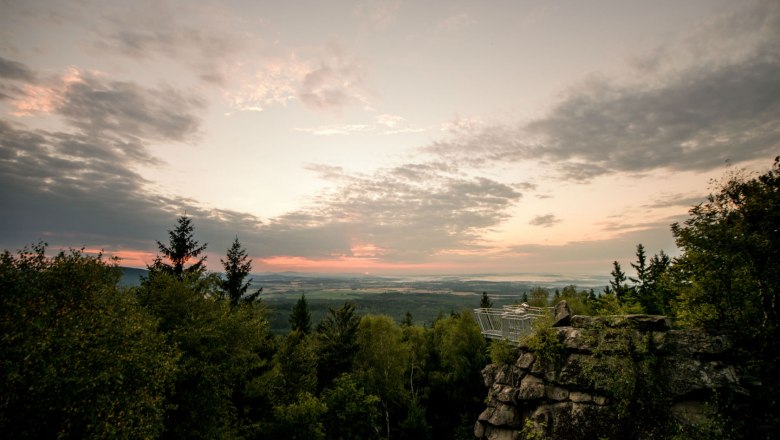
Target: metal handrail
509,322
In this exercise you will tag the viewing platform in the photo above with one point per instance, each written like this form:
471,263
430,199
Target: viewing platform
509,322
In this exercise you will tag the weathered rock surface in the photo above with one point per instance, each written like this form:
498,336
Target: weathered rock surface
562,314
690,365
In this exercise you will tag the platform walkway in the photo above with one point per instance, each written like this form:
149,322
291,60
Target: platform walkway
509,322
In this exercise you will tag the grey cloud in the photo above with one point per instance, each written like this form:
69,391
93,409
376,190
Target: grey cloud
526,186
143,43
66,189
408,218
693,118
70,191
675,200
127,109
334,84
544,221
378,14
10,69
123,111
12,73
181,34
698,122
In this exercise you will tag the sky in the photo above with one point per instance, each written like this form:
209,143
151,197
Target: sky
380,137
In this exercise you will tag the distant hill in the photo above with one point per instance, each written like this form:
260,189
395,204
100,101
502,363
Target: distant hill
131,276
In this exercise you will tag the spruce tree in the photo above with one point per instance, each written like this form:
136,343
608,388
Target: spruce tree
642,281
181,248
618,283
485,302
300,318
237,267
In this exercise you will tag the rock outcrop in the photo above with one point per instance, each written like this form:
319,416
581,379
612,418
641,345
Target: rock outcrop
598,371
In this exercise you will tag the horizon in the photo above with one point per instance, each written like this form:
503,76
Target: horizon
385,138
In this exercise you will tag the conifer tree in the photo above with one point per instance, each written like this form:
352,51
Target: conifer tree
237,267
618,282
642,281
337,342
181,248
300,318
485,302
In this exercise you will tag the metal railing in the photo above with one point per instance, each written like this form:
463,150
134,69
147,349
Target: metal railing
509,322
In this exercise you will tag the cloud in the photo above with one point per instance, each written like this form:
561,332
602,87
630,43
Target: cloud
335,83
96,105
544,221
672,200
10,69
410,212
102,107
71,190
384,124
454,22
78,185
689,115
378,14
330,130
327,81
201,36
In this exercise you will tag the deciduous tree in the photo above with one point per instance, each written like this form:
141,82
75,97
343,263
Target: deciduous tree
79,358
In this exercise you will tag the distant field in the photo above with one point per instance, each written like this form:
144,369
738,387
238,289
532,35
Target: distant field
424,307
425,297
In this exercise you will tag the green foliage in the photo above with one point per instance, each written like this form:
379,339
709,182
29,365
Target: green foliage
580,302
78,357
336,343
419,341
460,347
545,342
415,426
352,413
618,286
539,297
532,432
300,419
731,259
181,248
456,381
237,268
300,317
296,363
381,357
381,360
502,352
728,277
609,304
219,349
485,302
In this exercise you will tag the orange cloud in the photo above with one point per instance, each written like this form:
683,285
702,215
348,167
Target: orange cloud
127,258
45,98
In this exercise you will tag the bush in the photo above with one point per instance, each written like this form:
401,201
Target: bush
502,352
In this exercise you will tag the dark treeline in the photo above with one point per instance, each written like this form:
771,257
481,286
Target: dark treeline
189,354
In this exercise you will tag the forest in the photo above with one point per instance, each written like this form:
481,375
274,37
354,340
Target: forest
189,354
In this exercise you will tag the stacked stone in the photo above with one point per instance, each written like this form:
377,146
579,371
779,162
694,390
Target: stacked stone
691,363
